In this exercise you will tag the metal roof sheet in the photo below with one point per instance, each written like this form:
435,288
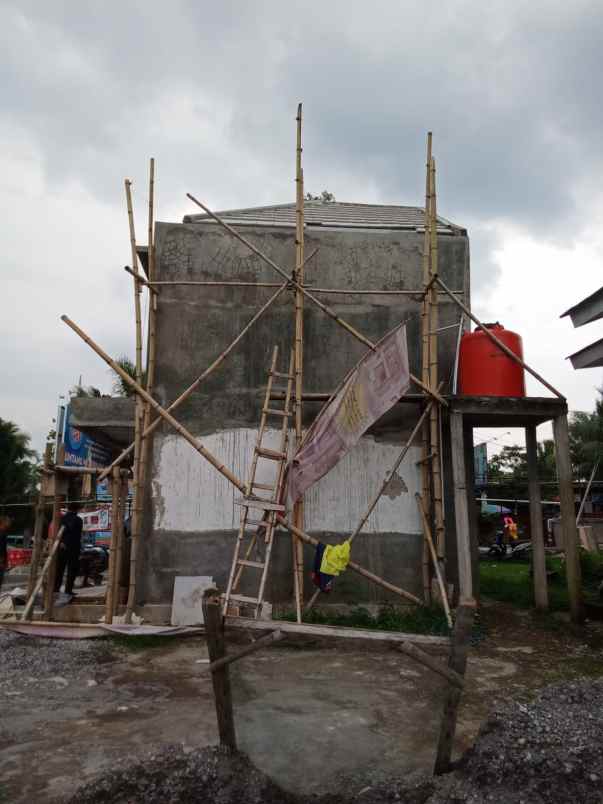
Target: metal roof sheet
332,214
589,309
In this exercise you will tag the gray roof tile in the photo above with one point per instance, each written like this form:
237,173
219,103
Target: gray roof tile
332,214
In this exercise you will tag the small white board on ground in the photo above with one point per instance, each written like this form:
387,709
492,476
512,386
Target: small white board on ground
188,596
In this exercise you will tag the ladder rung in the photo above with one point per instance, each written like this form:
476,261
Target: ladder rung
264,505
263,522
246,563
283,375
263,486
274,412
243,599
273,454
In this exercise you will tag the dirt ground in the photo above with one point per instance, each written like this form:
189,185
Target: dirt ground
316,718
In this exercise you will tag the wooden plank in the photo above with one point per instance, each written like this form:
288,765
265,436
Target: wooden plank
461,639
263,505
263,642
306,629
568,518
214,632
410,650
541,592
461,508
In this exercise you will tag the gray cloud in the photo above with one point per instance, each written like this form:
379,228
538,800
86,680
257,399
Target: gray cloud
90,90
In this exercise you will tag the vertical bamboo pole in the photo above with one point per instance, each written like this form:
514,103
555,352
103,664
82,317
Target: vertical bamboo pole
115,495
298,510
436,472
38,531
56,518
139,411
119,553
425,327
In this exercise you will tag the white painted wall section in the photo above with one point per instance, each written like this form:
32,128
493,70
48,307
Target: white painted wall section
190,495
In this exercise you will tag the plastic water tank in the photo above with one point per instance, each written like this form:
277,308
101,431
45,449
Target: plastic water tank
485,370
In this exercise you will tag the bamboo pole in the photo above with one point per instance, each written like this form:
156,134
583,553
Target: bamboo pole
262,642
391,473
197,445
434,557
588,485
143,281
119,553
434,421
503,347
324,307
425,329
56,532
298,509
235,284
193,387
305,537
115,495
139,413
45,569
217,362
38,533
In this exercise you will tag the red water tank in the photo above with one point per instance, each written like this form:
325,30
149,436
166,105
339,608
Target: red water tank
484,369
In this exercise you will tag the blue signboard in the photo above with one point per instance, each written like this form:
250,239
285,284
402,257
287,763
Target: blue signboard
480,464
81,449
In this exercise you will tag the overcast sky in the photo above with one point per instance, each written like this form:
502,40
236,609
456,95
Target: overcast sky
90,90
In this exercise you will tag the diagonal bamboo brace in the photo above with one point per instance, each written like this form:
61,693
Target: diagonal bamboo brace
324,307
194,442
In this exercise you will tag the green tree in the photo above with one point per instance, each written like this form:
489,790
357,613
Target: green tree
87,392
120,386
18,464
586,441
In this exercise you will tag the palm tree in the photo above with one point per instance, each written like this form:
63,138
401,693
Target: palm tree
120,386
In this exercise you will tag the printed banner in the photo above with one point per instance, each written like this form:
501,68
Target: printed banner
370,390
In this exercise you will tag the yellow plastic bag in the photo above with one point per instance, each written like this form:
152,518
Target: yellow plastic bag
335,558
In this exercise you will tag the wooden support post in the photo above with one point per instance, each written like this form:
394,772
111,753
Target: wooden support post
461,639
56,518
434,557
214,632
541,593
262,642
568,518
115,499
298,276
461,508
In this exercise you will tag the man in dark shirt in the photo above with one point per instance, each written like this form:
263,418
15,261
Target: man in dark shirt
68,556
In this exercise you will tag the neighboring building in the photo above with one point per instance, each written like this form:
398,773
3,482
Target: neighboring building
589,309
190,521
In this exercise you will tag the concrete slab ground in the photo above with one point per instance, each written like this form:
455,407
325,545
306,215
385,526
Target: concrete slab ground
315,717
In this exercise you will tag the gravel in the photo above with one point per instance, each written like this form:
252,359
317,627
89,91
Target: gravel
550,750
30,660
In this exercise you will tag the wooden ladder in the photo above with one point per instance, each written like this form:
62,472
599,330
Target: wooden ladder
257,531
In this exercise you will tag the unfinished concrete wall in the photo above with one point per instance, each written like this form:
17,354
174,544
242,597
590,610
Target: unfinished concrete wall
190,524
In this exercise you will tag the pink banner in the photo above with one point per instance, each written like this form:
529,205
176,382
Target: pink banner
370,390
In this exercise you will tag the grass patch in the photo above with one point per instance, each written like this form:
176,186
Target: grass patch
511,582
141,642
416,620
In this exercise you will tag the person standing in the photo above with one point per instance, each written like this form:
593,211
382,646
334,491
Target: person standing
68,556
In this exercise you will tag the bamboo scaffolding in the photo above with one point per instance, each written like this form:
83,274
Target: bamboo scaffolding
217,362
298,509
324,307
235,284
434,420
139,413
503,347
38,529
140,391
220,467
434,557
51,558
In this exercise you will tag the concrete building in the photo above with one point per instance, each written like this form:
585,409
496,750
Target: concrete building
190,521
